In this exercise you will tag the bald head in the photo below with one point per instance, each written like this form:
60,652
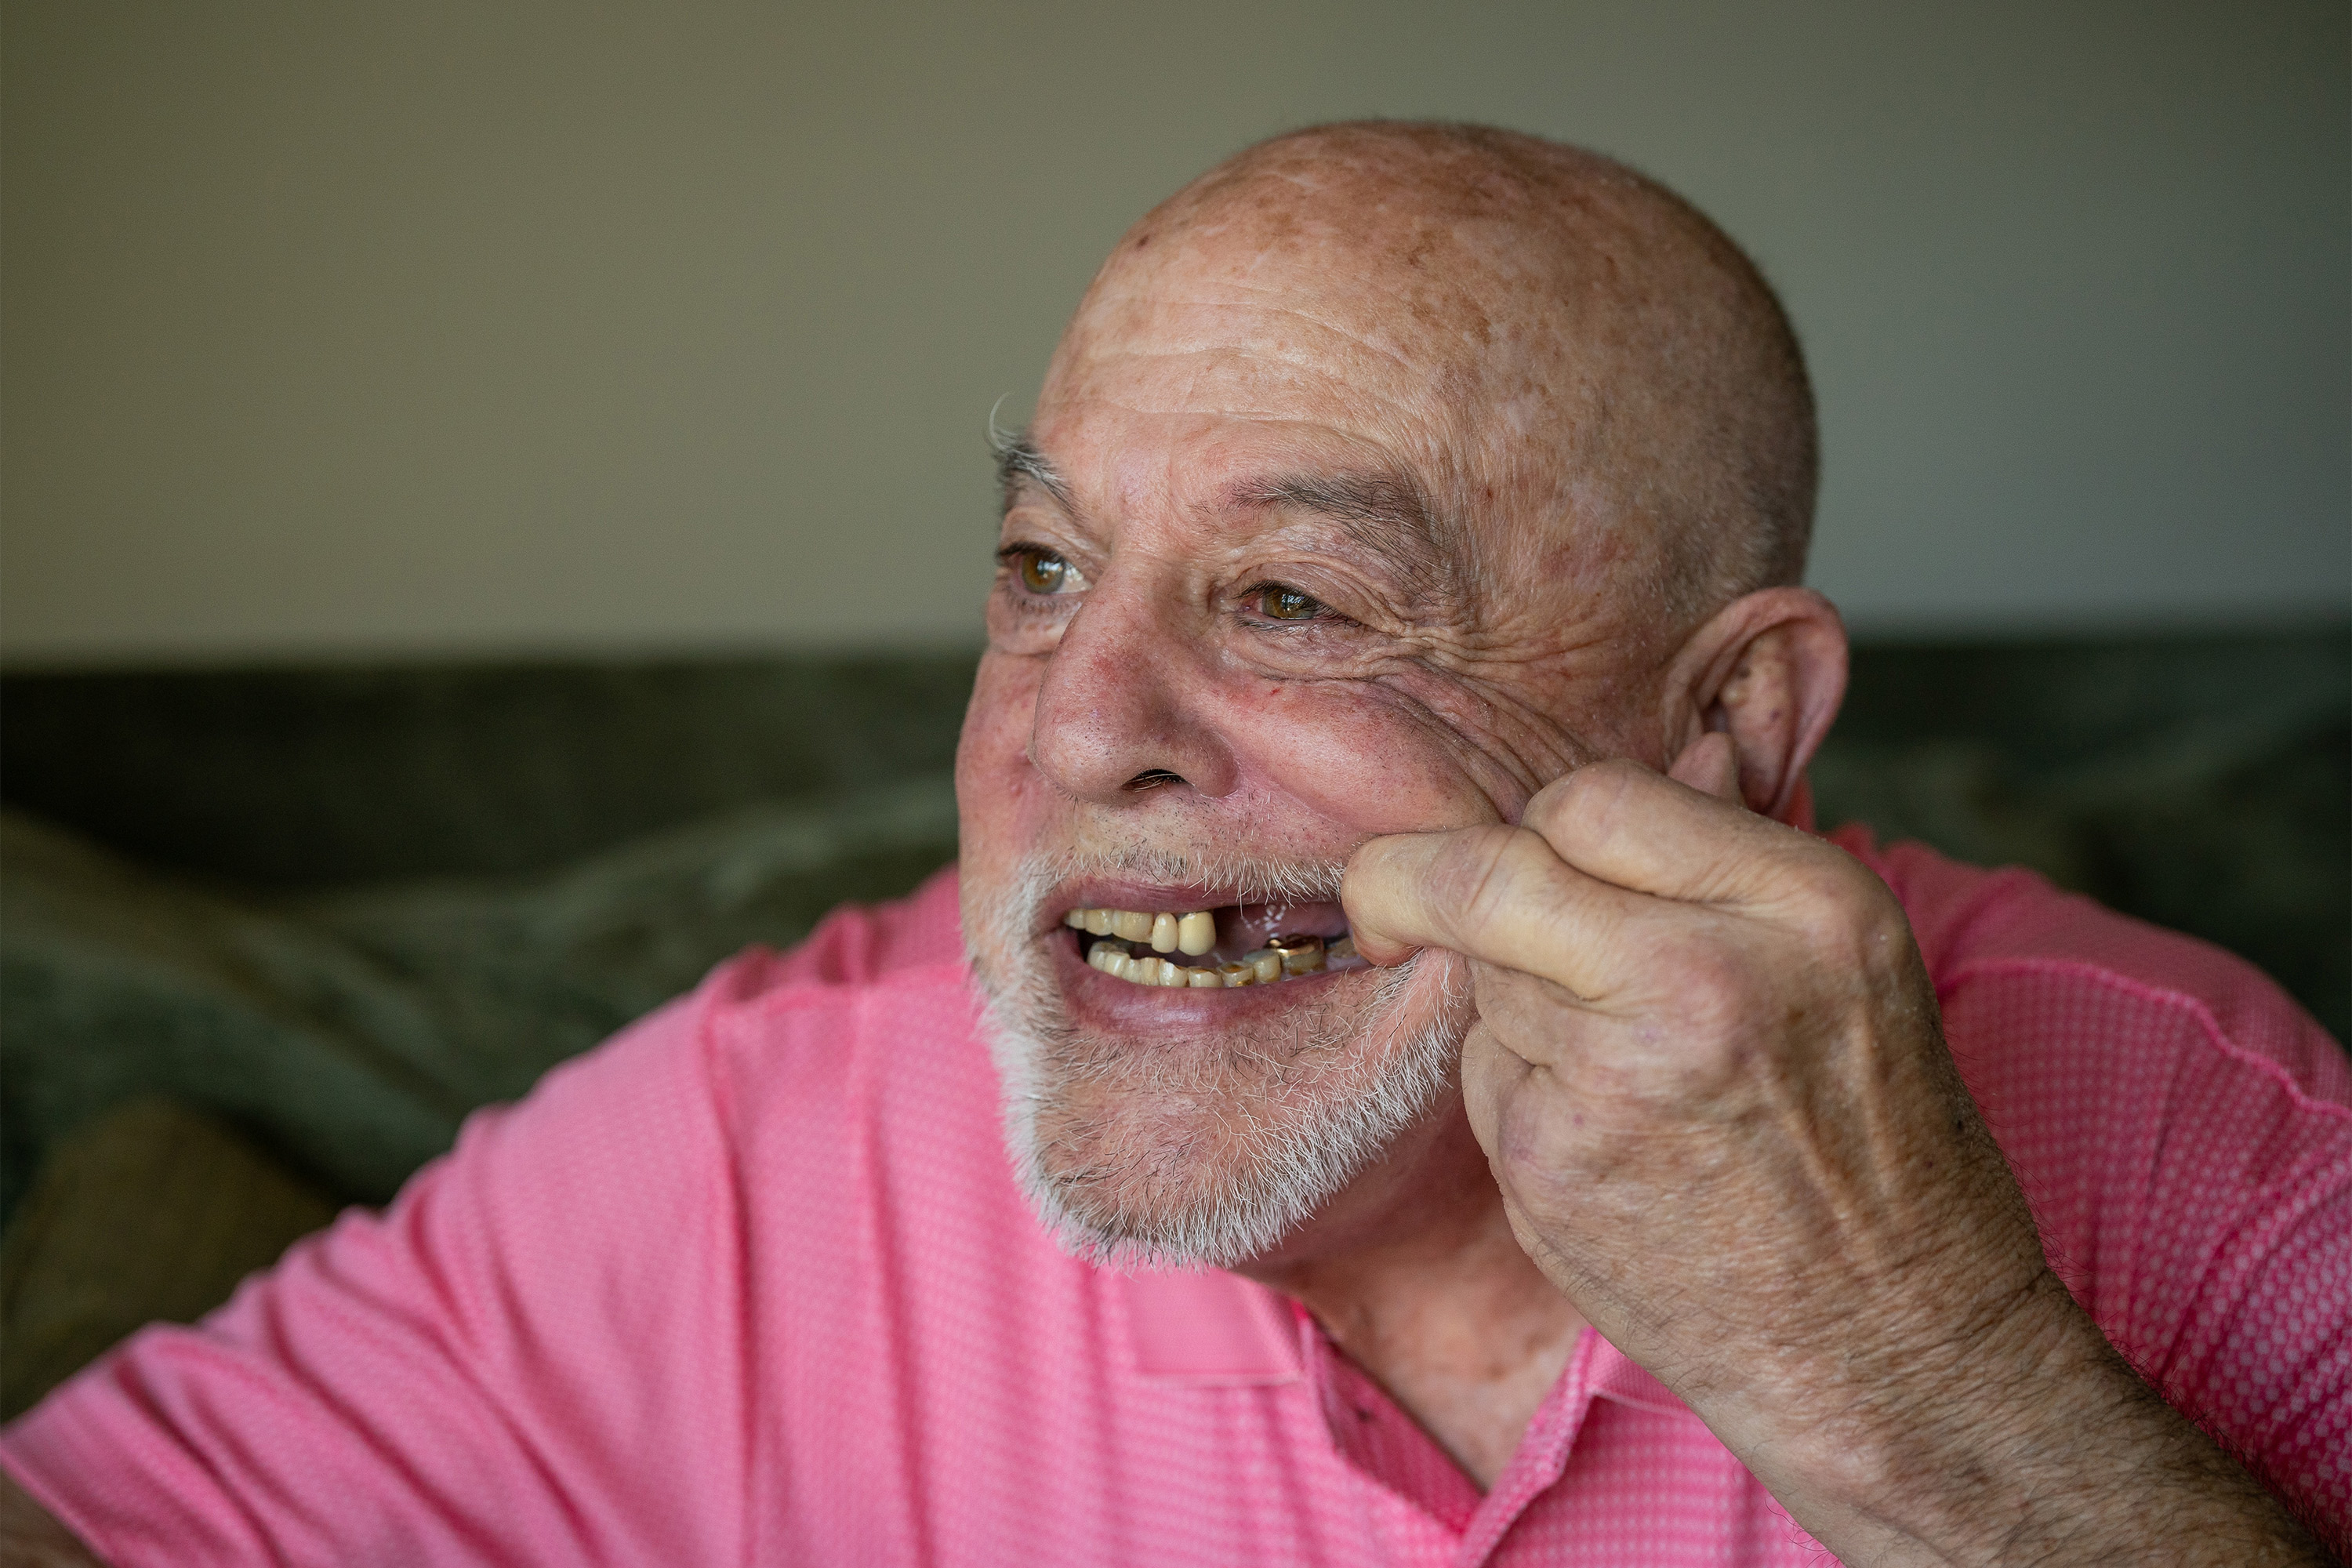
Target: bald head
1572,350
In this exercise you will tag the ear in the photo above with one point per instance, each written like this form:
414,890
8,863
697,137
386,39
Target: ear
1768,671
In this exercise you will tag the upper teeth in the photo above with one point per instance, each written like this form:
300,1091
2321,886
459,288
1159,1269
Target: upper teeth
1194,934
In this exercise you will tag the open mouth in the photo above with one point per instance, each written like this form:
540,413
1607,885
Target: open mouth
1214,949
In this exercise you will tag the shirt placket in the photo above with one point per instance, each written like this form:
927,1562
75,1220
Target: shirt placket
1390,1452
1537,1462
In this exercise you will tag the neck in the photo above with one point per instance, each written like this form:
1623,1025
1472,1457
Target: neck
1414,1273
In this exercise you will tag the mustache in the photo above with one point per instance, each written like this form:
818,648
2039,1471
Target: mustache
1254,878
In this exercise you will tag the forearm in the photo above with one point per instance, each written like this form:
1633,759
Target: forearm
2035,1443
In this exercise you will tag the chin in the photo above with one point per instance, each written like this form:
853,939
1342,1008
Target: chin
1155,1121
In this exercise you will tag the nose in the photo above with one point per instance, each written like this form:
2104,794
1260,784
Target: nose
1127,705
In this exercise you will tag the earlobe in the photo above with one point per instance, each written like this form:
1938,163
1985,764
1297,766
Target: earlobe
1770,671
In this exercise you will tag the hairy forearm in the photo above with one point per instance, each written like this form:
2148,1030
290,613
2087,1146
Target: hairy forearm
2034,1443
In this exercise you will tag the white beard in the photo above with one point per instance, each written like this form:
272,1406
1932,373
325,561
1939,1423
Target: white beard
1206,1156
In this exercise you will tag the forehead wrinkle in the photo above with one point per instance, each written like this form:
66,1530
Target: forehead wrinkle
1259,370
1368,338
1256,382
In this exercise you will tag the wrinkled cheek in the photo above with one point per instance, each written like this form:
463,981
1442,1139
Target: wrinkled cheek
1359,759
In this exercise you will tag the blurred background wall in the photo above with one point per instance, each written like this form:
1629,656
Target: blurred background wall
512,328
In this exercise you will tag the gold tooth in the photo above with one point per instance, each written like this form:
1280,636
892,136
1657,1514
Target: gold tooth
1301,955
1164,932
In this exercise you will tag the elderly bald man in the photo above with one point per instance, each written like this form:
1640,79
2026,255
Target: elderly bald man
1456,1110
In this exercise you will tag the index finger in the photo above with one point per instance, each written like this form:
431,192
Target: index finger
1493,893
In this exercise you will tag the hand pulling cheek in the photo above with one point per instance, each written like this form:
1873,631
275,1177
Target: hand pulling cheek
1709,1190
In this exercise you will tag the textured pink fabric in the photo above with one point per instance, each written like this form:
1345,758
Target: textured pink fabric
752,1284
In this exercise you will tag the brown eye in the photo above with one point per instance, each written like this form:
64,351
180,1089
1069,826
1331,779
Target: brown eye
1042,573
1287,604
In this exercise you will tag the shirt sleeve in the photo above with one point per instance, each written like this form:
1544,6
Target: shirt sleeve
533,1356
2195,1191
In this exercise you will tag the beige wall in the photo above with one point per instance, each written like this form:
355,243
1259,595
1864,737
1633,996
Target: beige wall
483,326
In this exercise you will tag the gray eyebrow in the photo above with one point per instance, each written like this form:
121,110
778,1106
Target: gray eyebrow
1019,460
1385,514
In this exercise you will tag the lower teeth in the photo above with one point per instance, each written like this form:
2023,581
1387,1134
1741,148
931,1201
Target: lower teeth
1285,958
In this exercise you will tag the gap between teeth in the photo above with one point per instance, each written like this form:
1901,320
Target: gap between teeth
1194,934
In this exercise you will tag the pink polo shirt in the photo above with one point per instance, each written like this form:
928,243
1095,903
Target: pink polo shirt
752,1284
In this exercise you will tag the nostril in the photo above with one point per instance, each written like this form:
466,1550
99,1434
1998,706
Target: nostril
1152,778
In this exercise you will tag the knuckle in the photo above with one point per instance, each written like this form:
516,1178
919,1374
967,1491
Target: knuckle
1843,915
1713,1002
1493,876
1531,1015
1816,882
1826,891
1594,790
1583,804
1714,1063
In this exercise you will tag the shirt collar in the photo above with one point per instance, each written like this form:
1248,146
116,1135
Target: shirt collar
1216,1330
1208,1329
1617,1376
